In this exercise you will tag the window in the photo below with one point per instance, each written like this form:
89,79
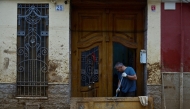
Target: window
32,50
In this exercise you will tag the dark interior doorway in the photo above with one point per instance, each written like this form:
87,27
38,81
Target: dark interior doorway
125,55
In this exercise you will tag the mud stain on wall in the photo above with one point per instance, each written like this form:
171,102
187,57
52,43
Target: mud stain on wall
6,63
53,74
154,74
58,71
9,52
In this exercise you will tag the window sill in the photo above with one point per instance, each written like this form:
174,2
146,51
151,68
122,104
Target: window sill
33,98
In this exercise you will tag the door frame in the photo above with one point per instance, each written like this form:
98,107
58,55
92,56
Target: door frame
109,60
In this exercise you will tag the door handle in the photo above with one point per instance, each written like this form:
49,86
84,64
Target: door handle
89,86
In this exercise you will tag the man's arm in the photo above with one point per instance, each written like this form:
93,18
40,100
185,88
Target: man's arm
134,77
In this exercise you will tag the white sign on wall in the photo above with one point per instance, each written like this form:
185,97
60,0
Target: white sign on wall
59,8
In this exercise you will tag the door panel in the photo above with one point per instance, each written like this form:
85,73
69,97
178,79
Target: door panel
90,69
127,29
102,28
90,25
123,26
87,34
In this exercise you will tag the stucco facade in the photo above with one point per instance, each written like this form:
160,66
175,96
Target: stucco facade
153,52
59,57
59,88
58,41
153,42
58,76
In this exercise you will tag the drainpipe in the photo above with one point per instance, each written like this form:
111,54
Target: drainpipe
182,58
145,46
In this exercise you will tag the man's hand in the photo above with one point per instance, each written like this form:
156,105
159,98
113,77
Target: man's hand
117,90
124,74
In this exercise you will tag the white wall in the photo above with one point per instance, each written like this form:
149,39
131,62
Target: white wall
58,41
154,43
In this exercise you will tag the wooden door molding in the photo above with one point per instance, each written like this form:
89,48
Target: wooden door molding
124,42
127,4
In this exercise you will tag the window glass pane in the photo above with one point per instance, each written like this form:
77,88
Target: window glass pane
89,66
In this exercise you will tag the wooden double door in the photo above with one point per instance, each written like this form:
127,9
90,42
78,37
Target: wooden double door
100,37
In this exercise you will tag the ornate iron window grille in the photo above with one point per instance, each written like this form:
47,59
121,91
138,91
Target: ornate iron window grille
32,50
89,66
